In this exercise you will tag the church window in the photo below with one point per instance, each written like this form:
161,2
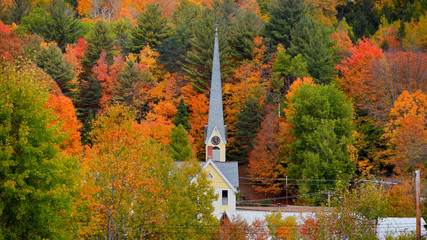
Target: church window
224,197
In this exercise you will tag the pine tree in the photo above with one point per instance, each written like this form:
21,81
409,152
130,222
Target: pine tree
17,10
61,26
313,42
284,16
53,63
181,117
249,122
179,147
100,38
198,60
152,29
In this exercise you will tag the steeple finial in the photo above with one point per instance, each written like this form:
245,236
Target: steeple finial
216,116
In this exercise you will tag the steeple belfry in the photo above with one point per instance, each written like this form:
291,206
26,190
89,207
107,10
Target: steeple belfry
215,131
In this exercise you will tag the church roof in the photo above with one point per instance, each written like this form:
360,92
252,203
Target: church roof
216,115
230,170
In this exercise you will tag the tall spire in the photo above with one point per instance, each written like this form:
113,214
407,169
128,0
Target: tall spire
216,116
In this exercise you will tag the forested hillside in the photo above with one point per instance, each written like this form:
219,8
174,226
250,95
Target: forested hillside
99,97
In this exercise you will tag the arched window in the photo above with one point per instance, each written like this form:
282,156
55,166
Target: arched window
216,153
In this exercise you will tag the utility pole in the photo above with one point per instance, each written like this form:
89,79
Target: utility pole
417,203
286,190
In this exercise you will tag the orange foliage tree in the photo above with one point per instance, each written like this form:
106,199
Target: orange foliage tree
114,174
198,109
73,55
159,121
357,73
10,45
250,78
265,162
65,112
239,229
407,131
107,76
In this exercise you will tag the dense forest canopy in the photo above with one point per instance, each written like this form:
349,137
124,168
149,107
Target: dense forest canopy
323,91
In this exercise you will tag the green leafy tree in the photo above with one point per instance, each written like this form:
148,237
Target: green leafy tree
152,29
284,16
313,42
34,22
52,62
248,124
181,116
321,119
179,147
122,29
36,181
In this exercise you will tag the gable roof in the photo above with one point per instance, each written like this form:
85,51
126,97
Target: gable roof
216,115
231,173
230,170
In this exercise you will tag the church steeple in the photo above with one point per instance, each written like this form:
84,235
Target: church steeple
215,131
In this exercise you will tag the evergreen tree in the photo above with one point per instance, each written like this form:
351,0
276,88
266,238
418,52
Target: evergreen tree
122,29
181,117
17,10
362,16
100,38
173,49
284,15
313,42
36,182
61,26
248,124
242,33
152,29
53,63
179,147
321,120
198,60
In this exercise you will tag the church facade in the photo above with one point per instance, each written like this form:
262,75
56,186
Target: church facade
224,176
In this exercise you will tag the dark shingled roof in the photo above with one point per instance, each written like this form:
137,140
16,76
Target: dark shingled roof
216,116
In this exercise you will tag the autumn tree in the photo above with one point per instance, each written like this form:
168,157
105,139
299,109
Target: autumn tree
107,76
198,109
37,181
265,160
100,39
152,29
53,63
321,120
407,132
182,116
11,46
132,182
65,112
284,16
313,42
354,215
281,228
